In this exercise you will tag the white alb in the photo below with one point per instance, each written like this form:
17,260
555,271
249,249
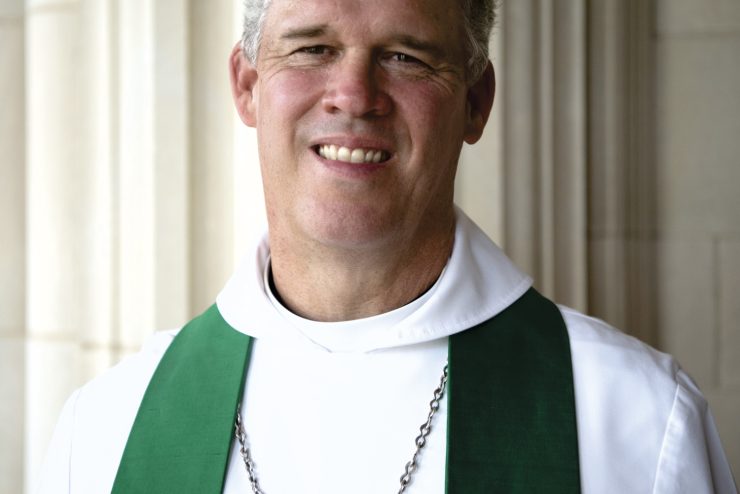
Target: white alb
315,392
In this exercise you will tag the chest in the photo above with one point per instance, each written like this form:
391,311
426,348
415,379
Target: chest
318,422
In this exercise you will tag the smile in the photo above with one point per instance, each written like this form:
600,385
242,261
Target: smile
347,155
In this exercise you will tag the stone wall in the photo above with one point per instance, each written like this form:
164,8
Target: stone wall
12,240
698,199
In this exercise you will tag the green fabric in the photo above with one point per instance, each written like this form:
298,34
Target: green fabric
511,418
181,438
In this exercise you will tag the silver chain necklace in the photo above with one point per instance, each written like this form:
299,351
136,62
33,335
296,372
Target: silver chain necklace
409,469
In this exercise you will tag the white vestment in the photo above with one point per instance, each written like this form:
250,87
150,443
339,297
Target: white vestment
334,408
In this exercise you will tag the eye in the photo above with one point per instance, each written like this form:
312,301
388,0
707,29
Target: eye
405,58
313,50
406,61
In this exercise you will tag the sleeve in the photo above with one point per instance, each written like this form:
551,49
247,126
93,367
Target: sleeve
692,460
55,471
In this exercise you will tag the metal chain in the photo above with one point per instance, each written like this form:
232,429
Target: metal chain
424,430
420,440
244,450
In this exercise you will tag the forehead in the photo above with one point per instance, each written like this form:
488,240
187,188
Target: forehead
435,20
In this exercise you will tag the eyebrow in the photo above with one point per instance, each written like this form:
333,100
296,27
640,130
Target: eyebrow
305,32
407,40
419,45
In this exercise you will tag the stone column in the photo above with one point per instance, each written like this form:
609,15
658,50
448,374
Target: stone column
622,286
567,211
98,336
211,149
544,143
107,191
519,104
70,310
152,168
113,204
12,239
58,216
697,200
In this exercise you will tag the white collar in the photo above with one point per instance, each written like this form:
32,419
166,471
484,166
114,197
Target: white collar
478,282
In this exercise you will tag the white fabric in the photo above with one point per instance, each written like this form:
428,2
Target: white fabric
334,408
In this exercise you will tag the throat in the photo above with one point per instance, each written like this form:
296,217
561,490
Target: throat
351,294
328,284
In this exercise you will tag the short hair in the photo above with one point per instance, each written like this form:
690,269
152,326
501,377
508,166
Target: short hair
479,15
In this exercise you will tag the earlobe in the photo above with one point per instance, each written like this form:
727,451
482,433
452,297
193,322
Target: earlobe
243,77
480,99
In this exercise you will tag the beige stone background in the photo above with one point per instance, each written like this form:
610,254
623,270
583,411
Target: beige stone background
610,171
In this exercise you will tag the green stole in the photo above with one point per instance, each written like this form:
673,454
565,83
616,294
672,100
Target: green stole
511,408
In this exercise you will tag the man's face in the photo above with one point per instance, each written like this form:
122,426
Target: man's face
361,108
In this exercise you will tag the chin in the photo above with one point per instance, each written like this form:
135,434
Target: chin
352,230
354,236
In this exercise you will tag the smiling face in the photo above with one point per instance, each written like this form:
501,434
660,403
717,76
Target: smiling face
361,108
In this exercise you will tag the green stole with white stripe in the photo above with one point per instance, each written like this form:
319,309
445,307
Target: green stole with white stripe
511,408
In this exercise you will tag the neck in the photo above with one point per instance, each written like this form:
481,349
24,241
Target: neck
330,284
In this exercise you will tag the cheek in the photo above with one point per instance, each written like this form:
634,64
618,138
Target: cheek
432,99
288,94
441,113
284,99
437,143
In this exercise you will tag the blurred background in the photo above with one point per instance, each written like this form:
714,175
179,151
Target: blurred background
128,188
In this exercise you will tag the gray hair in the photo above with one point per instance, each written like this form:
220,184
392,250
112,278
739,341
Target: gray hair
480,16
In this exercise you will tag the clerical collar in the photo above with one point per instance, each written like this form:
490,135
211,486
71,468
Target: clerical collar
345,336
479,281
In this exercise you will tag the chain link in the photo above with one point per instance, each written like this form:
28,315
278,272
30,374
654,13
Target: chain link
244,450
420,441
424,431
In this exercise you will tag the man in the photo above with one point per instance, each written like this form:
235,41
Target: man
368,293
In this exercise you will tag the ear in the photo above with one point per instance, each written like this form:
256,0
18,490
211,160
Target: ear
480,100
243,77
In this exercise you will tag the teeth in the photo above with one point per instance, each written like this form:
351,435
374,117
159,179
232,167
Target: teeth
343,154
358,155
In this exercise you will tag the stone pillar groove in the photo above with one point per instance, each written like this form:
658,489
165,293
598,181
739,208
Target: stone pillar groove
621,172
521,134
544,141
153,168
13,241
210,137
59,222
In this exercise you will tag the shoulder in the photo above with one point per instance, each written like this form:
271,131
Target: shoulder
94,425
130,374
610,352
642,421
619,378
122,386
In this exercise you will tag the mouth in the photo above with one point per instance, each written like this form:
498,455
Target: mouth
351,155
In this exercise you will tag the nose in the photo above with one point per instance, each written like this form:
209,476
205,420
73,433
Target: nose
354,88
